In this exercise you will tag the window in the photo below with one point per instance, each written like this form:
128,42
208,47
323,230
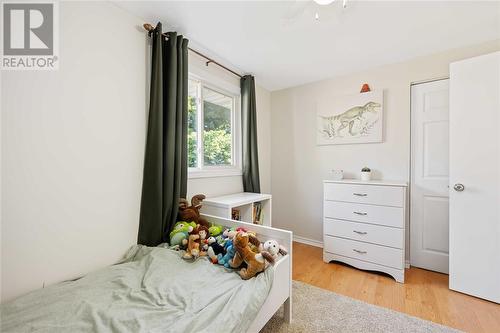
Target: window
213,131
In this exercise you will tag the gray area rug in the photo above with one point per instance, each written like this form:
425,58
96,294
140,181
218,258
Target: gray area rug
320,310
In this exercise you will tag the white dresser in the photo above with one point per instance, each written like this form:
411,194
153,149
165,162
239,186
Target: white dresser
364,225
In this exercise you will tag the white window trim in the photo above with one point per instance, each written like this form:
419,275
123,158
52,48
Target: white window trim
219,171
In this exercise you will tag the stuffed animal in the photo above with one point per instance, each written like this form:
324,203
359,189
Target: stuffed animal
255,244
274,248
224,237
196,238
256,262
180,233
193,249
226,259
215,230
203,233
214,249
241,229
192,213
229,233
221,240
175,248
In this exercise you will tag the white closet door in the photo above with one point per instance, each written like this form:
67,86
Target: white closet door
475,176
429,178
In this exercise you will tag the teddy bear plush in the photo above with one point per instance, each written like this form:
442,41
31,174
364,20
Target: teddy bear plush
256,262
192,213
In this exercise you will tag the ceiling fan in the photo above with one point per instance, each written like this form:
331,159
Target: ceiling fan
315,7
328,2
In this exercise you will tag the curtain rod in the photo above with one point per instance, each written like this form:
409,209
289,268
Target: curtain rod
150,28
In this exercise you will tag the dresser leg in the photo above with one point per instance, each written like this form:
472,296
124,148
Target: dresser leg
327,257
399,277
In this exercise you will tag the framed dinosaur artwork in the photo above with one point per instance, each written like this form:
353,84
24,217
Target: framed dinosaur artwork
350,119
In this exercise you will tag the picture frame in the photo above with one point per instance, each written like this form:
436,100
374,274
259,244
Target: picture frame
351,119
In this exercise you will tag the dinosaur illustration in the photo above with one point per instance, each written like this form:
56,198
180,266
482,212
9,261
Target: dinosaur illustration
334,124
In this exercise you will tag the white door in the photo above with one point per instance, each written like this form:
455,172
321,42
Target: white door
429,179
475,176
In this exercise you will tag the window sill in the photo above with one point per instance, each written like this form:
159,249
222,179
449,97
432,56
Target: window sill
222,172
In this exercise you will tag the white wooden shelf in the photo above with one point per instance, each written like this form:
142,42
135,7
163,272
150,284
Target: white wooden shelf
244,202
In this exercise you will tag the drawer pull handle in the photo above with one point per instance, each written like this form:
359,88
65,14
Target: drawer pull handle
360,213
360,232
359,251
360,194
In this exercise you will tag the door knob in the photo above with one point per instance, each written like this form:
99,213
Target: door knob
459,187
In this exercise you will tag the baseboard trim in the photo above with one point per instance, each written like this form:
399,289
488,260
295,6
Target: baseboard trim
407,263
307,241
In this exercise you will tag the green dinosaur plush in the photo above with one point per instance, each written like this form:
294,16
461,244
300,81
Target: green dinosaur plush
215,230
180,232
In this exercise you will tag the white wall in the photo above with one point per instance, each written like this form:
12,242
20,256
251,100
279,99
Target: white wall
216,186
263,98
299,165
73,150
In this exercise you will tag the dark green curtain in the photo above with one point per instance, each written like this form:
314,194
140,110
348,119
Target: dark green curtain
165,162
251,182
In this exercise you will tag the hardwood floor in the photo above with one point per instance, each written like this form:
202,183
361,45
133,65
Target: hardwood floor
424,294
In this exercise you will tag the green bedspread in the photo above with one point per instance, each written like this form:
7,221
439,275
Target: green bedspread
151,290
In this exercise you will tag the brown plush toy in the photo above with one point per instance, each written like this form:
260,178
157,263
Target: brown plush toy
193,249
256,262
192,213
196,238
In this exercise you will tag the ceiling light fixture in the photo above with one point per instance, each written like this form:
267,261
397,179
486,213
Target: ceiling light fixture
324,2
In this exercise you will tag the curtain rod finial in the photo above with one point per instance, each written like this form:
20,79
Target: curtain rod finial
148,27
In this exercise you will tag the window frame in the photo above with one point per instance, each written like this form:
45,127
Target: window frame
202,170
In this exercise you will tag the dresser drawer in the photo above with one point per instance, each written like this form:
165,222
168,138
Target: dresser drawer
383,215
377,254
364,232
367,194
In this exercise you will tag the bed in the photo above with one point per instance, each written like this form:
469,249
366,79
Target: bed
154,290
